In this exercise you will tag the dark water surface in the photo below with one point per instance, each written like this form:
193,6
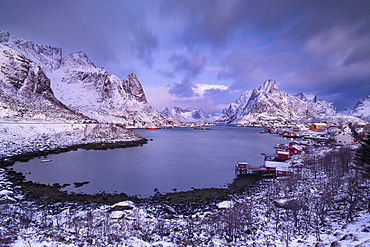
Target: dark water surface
178,158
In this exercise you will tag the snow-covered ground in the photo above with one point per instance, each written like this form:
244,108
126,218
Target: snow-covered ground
18,138
314,207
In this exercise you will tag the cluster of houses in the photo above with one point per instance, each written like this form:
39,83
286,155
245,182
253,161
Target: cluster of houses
278,164
321,132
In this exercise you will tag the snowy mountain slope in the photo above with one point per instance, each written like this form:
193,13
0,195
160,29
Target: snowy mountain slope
362,109
189,115
267,103
213,117
97,94
81,86
48,57
174,114
236,109
346,111
25,91
320,106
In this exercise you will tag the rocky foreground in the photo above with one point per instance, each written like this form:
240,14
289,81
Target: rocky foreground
321,204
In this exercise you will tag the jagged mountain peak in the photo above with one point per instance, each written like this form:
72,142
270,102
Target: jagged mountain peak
132,76
48,57
164,112
362,109
77,60
267,103
306,96
269,86
133,86
320,106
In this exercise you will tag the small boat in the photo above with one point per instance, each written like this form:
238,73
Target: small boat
201,128
44,161
152,127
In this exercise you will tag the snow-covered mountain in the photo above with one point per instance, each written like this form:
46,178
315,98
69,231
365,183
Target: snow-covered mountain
99,95
321,107
362,109
267,103
190,115
25,92
346,111
78,84
236,109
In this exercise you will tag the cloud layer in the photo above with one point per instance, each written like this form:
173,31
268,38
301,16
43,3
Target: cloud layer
177,46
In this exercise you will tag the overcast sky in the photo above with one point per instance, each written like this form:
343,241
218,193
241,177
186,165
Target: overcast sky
205,54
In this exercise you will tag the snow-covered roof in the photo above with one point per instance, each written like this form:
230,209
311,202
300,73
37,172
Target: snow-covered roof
320,124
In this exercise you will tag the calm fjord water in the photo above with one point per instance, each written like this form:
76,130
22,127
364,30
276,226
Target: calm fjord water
179,158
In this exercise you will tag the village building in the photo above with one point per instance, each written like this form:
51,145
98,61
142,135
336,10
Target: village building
359,130
283,155
318,126
291,148
346,129
344,139
334,131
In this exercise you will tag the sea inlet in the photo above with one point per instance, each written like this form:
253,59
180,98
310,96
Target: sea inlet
174,159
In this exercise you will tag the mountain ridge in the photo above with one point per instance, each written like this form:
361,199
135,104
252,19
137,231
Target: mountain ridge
74,83
320,106
267,103
190,115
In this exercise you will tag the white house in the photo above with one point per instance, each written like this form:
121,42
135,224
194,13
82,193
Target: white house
343,139
347,129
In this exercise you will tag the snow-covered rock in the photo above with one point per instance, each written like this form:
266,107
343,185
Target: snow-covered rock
362,109
5,193
320,106
124,205
267,103
48,57
236,109
116,214
225,204
26,94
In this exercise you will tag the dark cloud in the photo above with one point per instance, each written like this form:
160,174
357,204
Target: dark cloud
166,74
314,46
182,89
191,66
220,97
346,93
107,31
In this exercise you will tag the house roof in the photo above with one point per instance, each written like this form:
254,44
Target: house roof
320,124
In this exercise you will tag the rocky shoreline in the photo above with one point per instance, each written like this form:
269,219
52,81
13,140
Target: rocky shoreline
183,202
24,157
